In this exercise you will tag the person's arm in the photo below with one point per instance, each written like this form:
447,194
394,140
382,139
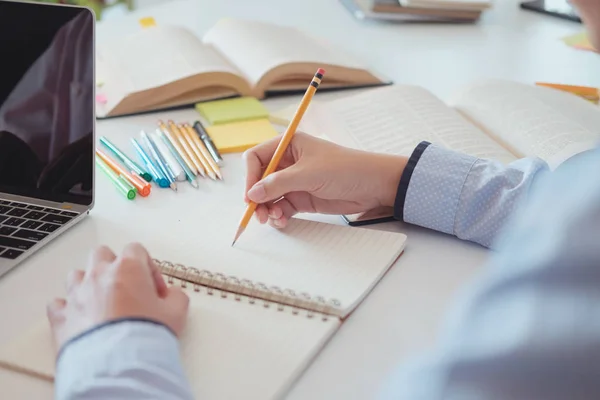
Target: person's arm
528,328
131,359
462,195
117,331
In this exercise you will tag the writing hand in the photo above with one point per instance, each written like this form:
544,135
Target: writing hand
318,176
114,287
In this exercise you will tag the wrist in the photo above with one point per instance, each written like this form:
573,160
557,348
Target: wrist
392,168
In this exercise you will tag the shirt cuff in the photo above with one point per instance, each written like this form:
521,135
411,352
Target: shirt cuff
127,357
405,179
433,187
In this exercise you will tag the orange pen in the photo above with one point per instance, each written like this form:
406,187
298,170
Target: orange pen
142,187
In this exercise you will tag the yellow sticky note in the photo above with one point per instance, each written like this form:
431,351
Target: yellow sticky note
240,136
232,110
579,41
147,22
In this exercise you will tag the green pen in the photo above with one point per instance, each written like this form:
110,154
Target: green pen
122,185
132,165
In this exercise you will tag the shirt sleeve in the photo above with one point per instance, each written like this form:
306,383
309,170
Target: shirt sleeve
462,195
126,359
527,328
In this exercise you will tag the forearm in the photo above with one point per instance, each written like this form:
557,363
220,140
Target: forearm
125,360
526,328
462,195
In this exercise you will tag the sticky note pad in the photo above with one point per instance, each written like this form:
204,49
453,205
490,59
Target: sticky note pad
147,22
232,110
240,136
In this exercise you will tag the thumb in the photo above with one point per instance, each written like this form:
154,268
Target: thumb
176,304
277,185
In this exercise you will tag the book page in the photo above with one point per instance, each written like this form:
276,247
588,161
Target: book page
395,119
161,55
256,47
533,121
230,349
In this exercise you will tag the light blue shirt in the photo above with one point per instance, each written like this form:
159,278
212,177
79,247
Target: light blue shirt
528,328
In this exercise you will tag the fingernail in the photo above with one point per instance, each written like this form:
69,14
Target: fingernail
277,223
257,192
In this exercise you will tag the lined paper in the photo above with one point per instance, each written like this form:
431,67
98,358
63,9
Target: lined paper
334,262
534,121
395,119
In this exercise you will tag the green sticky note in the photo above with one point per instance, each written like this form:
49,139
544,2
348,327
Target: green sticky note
232,110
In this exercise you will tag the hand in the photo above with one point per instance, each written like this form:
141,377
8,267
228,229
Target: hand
318,176
116,287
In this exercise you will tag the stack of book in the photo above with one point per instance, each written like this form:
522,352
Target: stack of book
418,10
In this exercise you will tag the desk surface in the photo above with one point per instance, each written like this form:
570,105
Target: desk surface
403,314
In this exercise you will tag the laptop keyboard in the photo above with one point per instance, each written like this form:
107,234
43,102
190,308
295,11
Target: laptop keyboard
23,225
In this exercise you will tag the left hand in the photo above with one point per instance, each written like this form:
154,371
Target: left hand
114,287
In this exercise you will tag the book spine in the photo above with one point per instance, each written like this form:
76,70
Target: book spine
246,290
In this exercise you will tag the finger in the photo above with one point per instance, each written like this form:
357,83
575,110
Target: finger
134,262
54,311
101,256
74,278
262,213
278,184
159,280
283,208
257,158
176,309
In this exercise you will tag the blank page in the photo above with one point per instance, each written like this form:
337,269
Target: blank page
534,121
157,56
231,349
395,119
257,47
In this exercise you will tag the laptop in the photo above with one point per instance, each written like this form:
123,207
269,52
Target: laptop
46,125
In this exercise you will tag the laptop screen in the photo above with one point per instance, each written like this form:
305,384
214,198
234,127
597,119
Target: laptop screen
46,102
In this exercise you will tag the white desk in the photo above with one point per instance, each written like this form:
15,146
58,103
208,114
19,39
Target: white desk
402,315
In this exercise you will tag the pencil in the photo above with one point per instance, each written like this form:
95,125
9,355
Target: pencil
204,155
188,172
179,152
283,144
195,153
189,154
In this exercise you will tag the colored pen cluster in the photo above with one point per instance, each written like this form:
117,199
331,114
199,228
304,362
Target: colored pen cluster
173,153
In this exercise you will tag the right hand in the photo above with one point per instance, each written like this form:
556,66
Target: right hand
318,176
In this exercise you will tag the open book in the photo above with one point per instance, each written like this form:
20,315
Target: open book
247,339
492,119
168,66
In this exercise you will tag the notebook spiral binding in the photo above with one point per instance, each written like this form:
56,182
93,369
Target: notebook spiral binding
254,292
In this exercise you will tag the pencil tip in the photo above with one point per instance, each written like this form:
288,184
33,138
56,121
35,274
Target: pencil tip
233,243
237,235
195,184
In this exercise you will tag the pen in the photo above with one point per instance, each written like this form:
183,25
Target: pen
197,153
203,150
210,145
157,173
121,185
126,160
188,173
199,168
166,132
171,164
283,144
170,181
142,187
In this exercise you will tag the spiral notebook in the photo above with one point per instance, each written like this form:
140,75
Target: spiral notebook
252,340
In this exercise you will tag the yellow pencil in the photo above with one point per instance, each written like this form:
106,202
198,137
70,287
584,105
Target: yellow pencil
204,151
173,139
190,134
197,167
283,144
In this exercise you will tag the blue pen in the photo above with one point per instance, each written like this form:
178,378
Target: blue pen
157,174
160,162
188,172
